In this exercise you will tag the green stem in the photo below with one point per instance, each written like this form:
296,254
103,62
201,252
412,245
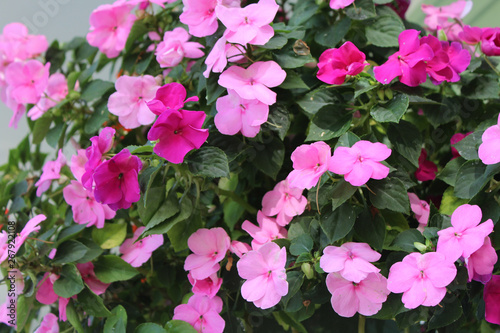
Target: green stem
361,324
491,65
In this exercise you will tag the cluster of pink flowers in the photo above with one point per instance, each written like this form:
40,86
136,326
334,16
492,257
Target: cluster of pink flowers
447,18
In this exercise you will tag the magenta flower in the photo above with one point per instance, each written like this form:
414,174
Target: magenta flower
360,162
491,297
335,64
310,162
48,325
471,35
171,96
209,247
207,287
456,138
88,276
101,144
408,63
267,231
421,209
255,81
422,278
339,4
236,114
27,81
264,270
57,89
350,260
284,202
248,25
136,252
129,102
427,170
175,47
116,182
110,26
490,41
466,235
365,297
51,171
17,44
202,313
489,150
480,264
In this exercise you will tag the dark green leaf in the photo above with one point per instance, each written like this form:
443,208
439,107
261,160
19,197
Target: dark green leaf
295,280
232,213
269,156
214,90
168,208
468,146
110,268
302,12
371,230
96,89
277,42
69,283
315,100
209,162
54,134
405,240
93,251
391,111
149,328
472,177
69,232
156,196
293,81
364,9
24,306
279,120
331,35
339,223
69,251
96,120
482,87
179,326
407,140
186,208
138,30
42,127
55,56
384,30
92,304
87,74
449,172
389,193
449,311
342,191
301,244
347,140
143,64
330,122
117,321
180,232
17,204
73,317
288,58
362,86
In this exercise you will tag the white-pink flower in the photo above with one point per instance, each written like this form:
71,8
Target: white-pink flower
338,4
48,325
284,202
202,312
175,47
264,270
57,89
421,209
77,165
136,252
310,162
267,231
50,171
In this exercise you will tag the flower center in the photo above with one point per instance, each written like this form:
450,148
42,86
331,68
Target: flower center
120,176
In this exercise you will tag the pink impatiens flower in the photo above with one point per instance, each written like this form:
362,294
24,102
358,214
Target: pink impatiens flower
175,47
267,231
489,150
339,4
490,41
471,35
88,275
202,312
466,235
255,81
136,252
491,297
49,324
17,44
236,114
116,182
27,81
365,296
129,102
200,16
222,52
110,26
437,17
264,270
209,247
335,64
408,63
31,226
481,263
427,170
284,202
45,294
310,162
51,171
171,96
57,89
350,260
208,287
360,162
421,209
101,144
422,278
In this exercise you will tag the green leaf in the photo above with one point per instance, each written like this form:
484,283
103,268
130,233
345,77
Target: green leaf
313,101
232,213
142,65
110,236
339,223
92,304
117,321
140,150
330,122
24,306
284,318
110,268
389,193
180,232
482,87
179,326
449,312
347,140
364,9
69,283
186,209
384,30
73,317
93,251
331,35
295,280
407,140
276,42
209,162
138,30
96,89
342,191
279,120
449,172
371,230
293,81
69,251
407,238
391,111
168,208
472,177
94,123
150,328
42,127
214,90
302,12
468,146
449,202
301,244
362,86
54,134
269,156
288,58
70,232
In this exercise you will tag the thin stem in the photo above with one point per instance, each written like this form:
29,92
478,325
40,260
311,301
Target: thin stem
361,324
491,65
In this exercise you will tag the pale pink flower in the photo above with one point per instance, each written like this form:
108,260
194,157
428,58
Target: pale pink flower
18,108
365,297
491,297
33,225
175,47
466,235
27,81
238,248
264,270
17,44
249,25
49,324
236,114
221,53
351,260
77,165
255,81
422,278
360,162
489,150
110,26
129,102
439,16
136,252
338,4
101,144
200,17
207,287
421,209
310,162
57,89
480,264
267,231
50,171
284,202
202,312
335,64
209,247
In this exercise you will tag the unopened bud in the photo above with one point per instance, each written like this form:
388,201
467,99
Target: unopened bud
307,269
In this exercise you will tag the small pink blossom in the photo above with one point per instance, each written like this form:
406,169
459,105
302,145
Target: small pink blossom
209,247
207,287
27,81
339,4
129,102
421,209
284,202
491,297
90,279
101,144
175,47
200,16
439,16
221,53
202,312
255,81
57,89
466,235
422,278
310,162
360,162
365,297
480,264
427,170
264,270
490,41
46,295
17,44
110,26
335,64
77,165
351,260
267,231
456,138
471,35
239,248
31,226
51,171
171,96
136,252
489,150
236,114
49,324
116,180
18,108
